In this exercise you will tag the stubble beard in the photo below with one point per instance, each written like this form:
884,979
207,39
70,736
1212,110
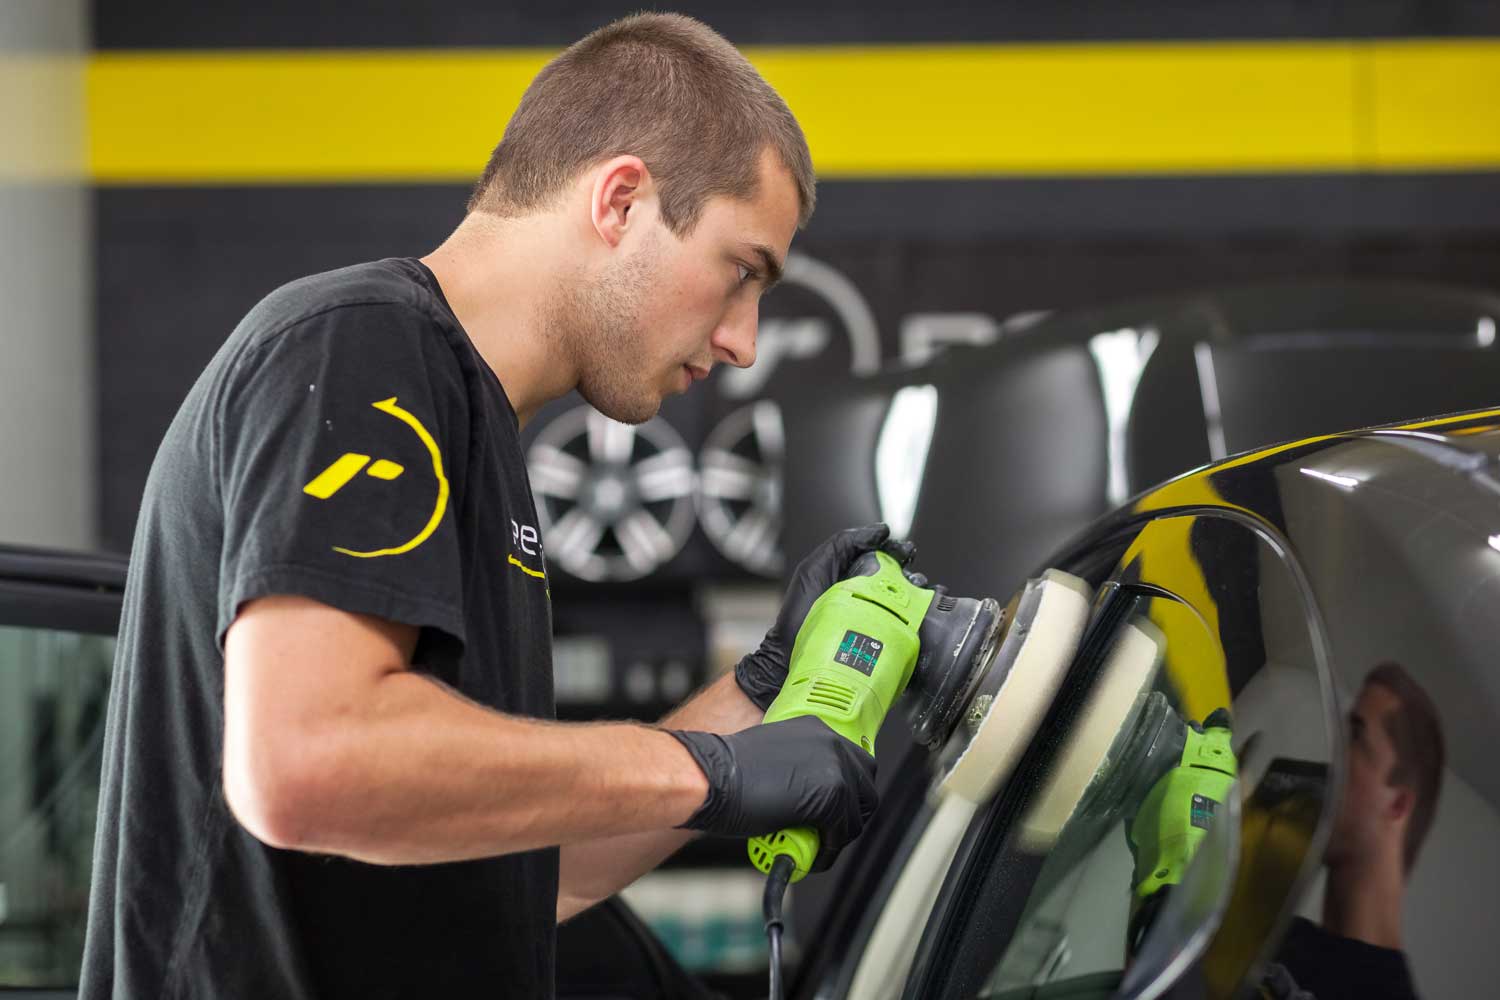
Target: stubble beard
598,323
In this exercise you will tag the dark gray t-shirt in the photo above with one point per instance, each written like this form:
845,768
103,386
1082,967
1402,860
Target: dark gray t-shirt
346,444
1328,966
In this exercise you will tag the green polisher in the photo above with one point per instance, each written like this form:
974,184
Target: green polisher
865,641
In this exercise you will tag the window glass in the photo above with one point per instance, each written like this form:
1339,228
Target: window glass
1125,806
53,690
1041,625
1173,802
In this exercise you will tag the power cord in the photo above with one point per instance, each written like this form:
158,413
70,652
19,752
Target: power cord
776,883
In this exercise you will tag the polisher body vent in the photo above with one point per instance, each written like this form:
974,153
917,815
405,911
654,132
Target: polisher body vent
946,603
831,694
762,849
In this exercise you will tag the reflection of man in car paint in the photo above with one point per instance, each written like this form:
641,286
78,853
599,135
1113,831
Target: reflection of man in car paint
331,767
1395,770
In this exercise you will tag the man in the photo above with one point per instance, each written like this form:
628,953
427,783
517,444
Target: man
329,767
1395,772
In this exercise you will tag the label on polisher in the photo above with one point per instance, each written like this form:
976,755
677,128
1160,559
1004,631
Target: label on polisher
859,651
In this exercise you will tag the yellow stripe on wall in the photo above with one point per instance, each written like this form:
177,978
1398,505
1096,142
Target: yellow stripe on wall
869,111
301,116
1436,105
1071,109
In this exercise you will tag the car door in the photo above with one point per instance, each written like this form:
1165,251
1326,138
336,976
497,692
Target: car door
58,615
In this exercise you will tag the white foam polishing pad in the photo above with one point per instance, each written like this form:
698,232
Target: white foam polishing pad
1037,652
893,944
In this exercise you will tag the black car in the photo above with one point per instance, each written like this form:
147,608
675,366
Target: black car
1266,585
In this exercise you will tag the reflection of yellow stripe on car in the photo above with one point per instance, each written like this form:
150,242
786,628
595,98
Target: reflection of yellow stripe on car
1194,658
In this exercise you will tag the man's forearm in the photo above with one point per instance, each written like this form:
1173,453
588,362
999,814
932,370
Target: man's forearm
596,869
418,774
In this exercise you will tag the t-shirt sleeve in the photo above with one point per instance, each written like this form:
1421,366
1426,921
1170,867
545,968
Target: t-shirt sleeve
336,440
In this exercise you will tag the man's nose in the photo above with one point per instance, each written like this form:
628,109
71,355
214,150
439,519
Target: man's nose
734,338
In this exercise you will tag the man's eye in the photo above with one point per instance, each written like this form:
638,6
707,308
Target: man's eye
745,272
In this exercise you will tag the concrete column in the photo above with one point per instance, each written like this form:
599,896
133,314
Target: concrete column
47,454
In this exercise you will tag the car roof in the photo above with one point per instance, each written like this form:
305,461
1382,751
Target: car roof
1458,456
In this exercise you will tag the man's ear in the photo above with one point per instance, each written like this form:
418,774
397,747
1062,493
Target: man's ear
620,186
1401,802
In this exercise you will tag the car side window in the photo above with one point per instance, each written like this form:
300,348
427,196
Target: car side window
53,689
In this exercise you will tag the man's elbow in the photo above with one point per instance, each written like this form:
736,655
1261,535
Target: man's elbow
570,905
273,799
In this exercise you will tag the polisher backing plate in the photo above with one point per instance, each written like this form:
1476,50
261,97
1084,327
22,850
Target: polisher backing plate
1032,657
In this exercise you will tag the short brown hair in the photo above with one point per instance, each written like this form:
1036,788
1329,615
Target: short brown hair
664,87
1416,732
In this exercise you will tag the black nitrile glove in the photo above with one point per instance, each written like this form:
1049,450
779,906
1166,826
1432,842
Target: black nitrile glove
797,772
761,673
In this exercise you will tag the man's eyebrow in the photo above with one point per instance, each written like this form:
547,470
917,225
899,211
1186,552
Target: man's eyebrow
769,262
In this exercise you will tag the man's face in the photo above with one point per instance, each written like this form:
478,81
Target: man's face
1372,810
672,308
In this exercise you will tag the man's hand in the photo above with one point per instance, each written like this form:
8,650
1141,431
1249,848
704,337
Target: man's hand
797,772
761,673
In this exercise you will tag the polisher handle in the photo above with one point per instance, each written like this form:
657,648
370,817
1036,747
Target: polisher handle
852,658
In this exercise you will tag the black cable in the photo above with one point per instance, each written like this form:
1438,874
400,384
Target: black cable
776,883
773,934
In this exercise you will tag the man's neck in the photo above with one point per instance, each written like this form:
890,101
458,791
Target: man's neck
1363,901
498,276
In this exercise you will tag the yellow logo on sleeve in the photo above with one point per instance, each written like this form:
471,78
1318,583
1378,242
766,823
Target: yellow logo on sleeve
525,537
344,468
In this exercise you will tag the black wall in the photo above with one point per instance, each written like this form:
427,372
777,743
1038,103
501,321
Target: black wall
177,267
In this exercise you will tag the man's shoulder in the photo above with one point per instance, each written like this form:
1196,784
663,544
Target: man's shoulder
389,291
1330,965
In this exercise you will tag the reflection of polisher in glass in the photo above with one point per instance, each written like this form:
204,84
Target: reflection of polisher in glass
1170,823
1073,810
346,467
1129,756
1076,771
987,727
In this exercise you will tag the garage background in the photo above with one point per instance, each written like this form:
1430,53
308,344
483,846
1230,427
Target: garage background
175,162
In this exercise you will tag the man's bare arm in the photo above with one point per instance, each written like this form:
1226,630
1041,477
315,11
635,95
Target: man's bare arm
596,869
333,745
